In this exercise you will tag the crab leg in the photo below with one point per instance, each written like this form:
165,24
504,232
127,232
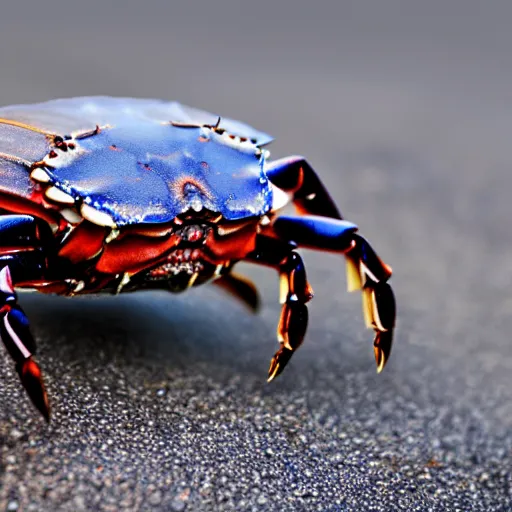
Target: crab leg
296,177
20,344
365,270
20,253
241,288
295,292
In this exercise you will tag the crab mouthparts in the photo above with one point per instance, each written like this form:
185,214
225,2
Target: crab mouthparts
187,257
187,260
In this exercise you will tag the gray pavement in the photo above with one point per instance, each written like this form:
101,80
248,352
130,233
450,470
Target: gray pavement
160,401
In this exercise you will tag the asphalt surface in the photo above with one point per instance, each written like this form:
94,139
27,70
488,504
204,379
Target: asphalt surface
160,401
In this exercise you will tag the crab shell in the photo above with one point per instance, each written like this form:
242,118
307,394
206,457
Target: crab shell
117,162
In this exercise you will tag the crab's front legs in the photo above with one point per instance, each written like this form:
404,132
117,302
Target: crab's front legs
20,252
365,270
295,292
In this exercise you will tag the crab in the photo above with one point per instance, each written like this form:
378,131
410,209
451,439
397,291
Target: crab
114,195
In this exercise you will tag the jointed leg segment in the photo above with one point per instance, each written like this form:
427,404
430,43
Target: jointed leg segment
295,176
241,288
21,257
365,271
20,344
295,292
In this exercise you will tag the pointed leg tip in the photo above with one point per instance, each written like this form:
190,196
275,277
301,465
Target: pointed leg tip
46,413
382,349
32,380
255,308
378,359
273,370
46,410
380,367
278,363
272,375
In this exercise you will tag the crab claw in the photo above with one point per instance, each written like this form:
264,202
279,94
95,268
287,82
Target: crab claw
32,380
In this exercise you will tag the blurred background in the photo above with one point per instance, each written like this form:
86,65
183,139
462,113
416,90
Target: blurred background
405,110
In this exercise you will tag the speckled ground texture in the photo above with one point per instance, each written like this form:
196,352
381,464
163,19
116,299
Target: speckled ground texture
160,401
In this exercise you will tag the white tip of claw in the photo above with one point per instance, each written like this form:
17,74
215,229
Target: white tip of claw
40,175
59,196
97,217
